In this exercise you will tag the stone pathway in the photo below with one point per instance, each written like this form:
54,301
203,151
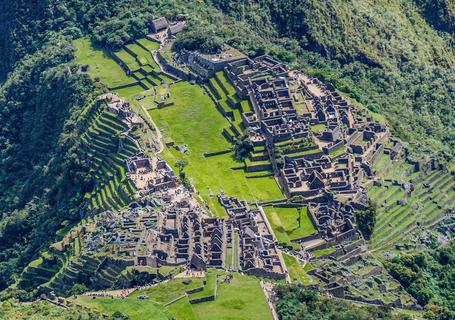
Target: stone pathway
268,291
159,135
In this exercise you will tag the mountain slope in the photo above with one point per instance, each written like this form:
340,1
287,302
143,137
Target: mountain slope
42,177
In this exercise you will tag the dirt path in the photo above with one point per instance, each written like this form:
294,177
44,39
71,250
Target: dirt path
268,292
159,135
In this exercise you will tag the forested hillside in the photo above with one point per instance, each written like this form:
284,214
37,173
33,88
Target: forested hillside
428,276
42,177
299,303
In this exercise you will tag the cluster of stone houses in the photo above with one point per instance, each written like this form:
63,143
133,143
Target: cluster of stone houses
150,175
258,254
320,146
185,235
161,26
118,232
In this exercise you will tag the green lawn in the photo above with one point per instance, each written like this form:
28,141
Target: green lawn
129,92
318,128
394,221
166,292
150,45
323,252
285,224
336,153
194,121
235,248
128,59
143,55
100,64
225,82
296,272
209,288
136,309
240,299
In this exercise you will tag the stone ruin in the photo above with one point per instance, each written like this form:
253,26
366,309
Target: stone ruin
321,165
257,243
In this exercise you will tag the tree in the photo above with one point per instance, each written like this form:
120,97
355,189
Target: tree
243,148
181,164
78,288
118,315
366,220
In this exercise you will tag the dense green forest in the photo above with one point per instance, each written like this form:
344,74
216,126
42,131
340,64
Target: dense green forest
429,277
295,302
42,178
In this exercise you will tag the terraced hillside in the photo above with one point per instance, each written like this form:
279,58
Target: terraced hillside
96,272
107,147
408,199
228,103
138,62
128,71
41,270
232,106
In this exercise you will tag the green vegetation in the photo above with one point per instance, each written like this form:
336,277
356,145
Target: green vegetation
225,94
337,152
148,44
42,171
322,252
209,175
394,57
101,141
318,128
12,310
199,39
40,271
134,308
243,148
399,213
209,290
366,220
101,65
295,302
286,226
428,276
297,272
167,292
241,298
